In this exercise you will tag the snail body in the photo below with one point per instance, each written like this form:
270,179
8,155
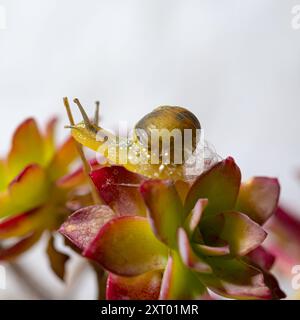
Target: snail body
173,121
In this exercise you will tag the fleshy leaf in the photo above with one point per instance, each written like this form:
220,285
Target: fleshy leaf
119,188
263,261
143,287
212,251
234,228
27,148
28,191
20,246
179,282
57,259
49,140
127,246
235,279
262,258
284,228
83,225
220,185
193,219
22,224
182,188
189,258
76,177
273,285
64,157
258,198
71,180
3,175
286,224
165,209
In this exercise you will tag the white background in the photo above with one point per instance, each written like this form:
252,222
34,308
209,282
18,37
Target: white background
235,64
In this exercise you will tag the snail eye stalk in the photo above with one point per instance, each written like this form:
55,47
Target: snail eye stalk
85,117
87,122
97,113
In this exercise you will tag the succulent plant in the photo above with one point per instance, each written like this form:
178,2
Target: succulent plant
178,240
148,230
38,190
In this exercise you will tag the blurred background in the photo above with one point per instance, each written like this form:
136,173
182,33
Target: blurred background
234,63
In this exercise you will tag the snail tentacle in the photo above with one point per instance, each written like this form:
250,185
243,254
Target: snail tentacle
97,113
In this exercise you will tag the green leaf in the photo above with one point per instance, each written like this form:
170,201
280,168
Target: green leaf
27,148
165,209
66,154
127,246
235,279
179,282
27,191
22,224
188,256
193,219
235,229
219,185
258,198
143,287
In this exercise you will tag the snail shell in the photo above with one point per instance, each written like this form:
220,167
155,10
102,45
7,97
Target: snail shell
168,118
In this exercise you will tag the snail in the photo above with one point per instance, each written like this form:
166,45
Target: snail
158,147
